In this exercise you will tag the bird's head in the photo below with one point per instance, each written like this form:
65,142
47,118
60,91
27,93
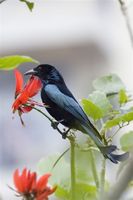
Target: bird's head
46,73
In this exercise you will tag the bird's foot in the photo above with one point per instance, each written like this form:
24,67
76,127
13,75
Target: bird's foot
64,133
55,124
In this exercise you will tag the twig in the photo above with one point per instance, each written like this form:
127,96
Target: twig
94,169
2,1
125,14
102,179
60,157
73,168
121,185
112,136
51,120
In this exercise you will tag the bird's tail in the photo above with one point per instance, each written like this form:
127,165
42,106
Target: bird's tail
105,150
115,158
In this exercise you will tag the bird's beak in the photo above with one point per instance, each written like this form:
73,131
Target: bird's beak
30,72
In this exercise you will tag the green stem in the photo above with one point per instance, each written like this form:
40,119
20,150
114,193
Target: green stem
94,169
102,179
34,108
47,118
73,170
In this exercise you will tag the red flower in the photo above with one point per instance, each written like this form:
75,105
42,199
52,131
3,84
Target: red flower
23,95
19,82
29,187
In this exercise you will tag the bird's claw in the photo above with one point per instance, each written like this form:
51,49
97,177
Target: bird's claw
55,124
64,134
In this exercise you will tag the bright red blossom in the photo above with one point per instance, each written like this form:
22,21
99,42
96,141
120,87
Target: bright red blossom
29,187
19,82
23,95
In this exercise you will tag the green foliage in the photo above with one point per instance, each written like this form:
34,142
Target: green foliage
120,120
12,62
126,141
29,4
61,175
110,84
97,105
123,98
92,109
83,192
113,122
127,117
99,98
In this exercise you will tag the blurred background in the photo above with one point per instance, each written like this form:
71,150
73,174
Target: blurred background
84,39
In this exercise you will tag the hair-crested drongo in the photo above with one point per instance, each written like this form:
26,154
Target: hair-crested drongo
65,109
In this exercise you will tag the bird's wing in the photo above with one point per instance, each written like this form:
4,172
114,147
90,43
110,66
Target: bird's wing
69,104
65,102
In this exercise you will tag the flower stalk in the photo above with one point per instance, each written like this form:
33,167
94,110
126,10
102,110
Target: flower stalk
102,179
73,168
94,169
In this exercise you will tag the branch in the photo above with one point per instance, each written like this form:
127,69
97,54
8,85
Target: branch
128,24
121,185
94,169
2,1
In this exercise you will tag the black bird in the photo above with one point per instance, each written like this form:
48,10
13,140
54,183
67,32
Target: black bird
65,109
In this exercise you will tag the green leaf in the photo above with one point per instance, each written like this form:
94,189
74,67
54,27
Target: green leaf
126,141
83,191
127,117
123,98
29,4
109,84
60,173
62,193
12,62
92,110
113,122
99,98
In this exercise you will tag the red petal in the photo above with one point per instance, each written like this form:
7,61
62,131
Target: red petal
27,181
33,86
19,82
22,99
42,182
44,195
33,184
17,181
24,179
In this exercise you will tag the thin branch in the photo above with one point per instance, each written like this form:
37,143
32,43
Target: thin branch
126,16
112,136
94,169
2,1
73,168
51,120
60,157
121,185
102,179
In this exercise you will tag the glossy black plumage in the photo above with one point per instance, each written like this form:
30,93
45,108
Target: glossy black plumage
63,107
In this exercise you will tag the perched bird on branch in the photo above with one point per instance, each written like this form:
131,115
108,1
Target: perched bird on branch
63,107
